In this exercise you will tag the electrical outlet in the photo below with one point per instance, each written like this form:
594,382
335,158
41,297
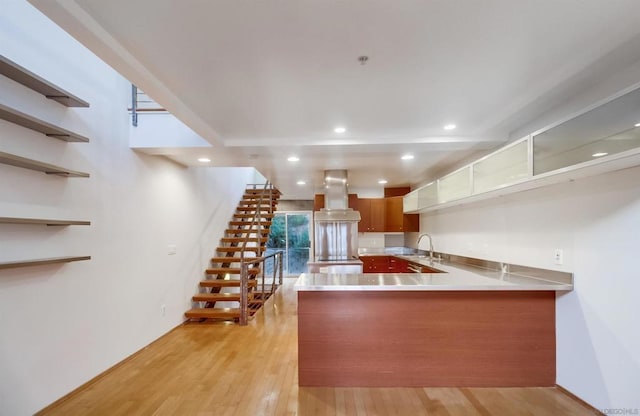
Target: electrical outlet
558,256
172,249
163,310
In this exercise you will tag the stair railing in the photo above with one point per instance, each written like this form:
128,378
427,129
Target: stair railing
141,102
244,281
267,192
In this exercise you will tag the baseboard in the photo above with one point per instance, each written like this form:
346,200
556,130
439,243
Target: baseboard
97,378
579,400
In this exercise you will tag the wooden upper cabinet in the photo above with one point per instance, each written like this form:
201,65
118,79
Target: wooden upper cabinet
353,201
393,214
396,220
400,191
378,214
318,202
372,211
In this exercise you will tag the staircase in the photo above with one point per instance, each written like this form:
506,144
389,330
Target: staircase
236,273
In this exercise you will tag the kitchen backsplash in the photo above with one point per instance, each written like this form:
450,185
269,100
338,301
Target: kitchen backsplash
375,240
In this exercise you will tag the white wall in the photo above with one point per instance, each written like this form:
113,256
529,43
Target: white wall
62,325
596,221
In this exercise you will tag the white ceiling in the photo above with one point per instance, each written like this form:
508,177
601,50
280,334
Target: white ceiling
261,80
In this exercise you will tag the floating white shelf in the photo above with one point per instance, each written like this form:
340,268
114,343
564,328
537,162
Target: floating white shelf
40,262
41,221
27,78
23,162
25,120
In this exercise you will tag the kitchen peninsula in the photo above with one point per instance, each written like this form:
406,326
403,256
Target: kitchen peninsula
466,326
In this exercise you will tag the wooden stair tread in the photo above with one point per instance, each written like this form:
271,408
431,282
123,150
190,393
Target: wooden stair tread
254,202
249,249
225,283
234,259
216,297
212,313
246,231
273,192
260,224
262,217
254,209
230,270
242,239
247,197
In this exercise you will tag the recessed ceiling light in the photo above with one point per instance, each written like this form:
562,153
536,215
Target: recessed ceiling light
637,125
293,158
204,159
599,154
450,127
340,130
382,181
407,157
301,183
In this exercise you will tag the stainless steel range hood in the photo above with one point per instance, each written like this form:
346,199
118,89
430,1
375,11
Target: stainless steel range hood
336,225
336,199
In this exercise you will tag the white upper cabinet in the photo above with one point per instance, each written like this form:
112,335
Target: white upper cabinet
602,138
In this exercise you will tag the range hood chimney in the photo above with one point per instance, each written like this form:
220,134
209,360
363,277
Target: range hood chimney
336,199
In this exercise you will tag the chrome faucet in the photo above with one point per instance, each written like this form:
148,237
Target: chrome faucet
430,245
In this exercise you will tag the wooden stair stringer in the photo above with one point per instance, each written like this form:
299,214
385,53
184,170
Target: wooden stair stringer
240,229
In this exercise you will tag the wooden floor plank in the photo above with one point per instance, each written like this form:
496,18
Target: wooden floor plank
225,369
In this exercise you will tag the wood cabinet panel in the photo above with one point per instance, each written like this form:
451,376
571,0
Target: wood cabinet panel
372,212
397,265
375,264
400,191
384,264
318,202
426,339
396,220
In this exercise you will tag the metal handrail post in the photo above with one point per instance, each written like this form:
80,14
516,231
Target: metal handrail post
134,105
244,293
280,268
273,274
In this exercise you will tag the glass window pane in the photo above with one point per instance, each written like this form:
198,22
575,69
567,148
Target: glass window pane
290,232
297,259
278,232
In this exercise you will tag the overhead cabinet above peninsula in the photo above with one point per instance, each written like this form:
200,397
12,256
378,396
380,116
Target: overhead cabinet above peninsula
380,214
601,139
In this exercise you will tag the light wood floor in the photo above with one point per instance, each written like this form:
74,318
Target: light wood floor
225,369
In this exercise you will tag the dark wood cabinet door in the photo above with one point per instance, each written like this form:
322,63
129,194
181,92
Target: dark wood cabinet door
377,218
397,265
396,220
318,202
372,212
393,214
375,264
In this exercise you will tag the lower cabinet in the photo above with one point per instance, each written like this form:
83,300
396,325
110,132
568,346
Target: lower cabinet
384,264
375,264
397,265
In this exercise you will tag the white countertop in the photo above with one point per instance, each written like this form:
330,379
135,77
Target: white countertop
456,278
